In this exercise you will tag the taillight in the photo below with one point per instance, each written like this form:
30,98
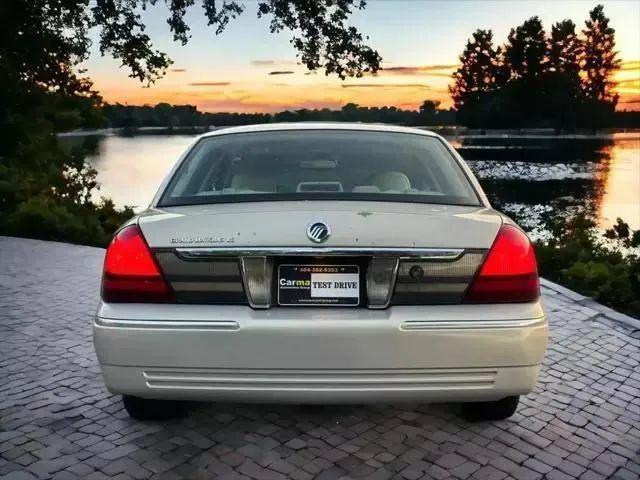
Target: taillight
130,271
509,273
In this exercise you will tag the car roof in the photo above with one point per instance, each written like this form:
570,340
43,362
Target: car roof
272,127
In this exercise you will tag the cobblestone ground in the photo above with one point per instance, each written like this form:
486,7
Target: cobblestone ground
57,420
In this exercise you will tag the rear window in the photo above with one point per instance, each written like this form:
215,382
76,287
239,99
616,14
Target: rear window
319,165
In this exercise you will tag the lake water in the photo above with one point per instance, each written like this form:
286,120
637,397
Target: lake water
519,173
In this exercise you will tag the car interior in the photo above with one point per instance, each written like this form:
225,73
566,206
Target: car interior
315,165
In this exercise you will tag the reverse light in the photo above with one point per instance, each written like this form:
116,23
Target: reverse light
256,273
381,275
130,271
509,274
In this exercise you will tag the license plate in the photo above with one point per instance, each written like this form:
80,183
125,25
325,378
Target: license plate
328,285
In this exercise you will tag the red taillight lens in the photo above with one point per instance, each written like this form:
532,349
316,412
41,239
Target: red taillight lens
130,271
509,273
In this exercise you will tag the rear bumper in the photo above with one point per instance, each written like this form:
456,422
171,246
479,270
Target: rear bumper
309,355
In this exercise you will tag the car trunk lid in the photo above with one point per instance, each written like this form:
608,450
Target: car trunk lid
398,253
353,224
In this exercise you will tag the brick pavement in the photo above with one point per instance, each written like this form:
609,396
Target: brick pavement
57,420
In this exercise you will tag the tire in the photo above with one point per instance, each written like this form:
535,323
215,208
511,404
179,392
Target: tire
146,409
497,410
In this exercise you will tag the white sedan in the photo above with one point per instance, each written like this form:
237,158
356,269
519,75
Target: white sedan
320,263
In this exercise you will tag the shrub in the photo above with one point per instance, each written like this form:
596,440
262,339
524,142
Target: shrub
605,267
49,219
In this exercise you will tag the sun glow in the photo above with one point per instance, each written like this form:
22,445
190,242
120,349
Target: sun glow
274,90
404,87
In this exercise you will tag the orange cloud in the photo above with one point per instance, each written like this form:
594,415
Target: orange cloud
432,70
630,83
209,84
385,85
629,100
271,63
630,65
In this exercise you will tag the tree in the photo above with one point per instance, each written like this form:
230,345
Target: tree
429,111
565,49
42,43
563,81
429,108
526,50
320,34
480,71
600,57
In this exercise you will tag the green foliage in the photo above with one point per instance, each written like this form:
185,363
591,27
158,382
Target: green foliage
48,196
561,81
110,217
43,218
607,270
48,219
321,35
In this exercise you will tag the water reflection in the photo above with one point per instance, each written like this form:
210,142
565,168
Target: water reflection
130,169
599,174
621,183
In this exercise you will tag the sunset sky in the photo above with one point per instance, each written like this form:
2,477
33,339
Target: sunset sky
248,69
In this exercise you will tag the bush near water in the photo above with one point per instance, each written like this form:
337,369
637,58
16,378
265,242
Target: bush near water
603,267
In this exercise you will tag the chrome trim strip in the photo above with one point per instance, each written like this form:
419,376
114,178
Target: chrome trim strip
168,324
444,254
471,324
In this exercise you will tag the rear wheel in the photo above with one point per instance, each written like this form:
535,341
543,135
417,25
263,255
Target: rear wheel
497,410
152,409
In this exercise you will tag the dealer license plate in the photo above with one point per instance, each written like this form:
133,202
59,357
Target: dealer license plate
313,285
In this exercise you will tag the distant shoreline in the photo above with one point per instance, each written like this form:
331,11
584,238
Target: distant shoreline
448,131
